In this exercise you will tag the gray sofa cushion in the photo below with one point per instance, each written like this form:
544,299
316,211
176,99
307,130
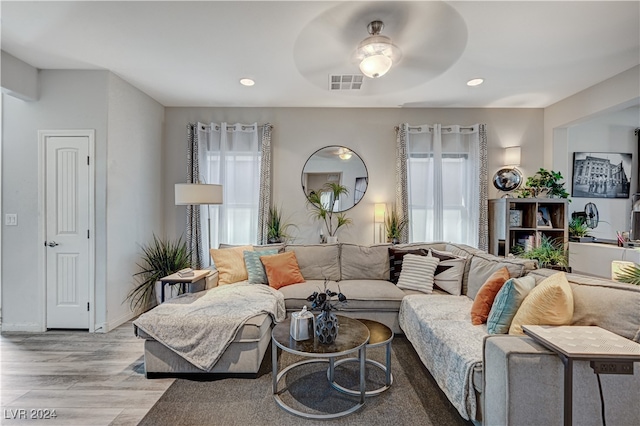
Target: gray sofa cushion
364,262
367,295
483,265
317,261
610,305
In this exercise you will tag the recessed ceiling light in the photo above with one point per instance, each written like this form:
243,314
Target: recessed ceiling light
247,82
475,82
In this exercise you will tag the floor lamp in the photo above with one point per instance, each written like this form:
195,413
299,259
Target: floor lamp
196,194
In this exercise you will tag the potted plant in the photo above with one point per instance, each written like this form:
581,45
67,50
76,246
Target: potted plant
159,259
277,227
629,274
544,183
549,254
394,225
325,211
578,230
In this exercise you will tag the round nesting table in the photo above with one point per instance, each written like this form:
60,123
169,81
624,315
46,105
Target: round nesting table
380,335
352,337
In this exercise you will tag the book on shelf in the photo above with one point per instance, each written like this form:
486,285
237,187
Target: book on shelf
186,272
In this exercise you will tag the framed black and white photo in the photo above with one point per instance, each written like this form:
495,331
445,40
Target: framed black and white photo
601,175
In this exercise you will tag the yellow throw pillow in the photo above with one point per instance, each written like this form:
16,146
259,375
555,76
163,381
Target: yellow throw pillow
230,264
549,303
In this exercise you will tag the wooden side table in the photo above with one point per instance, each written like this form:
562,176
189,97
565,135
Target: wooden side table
183,281
608,352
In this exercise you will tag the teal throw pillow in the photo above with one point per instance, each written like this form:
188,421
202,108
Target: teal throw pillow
255,269
507,302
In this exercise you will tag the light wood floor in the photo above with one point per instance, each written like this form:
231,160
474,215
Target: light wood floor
88,379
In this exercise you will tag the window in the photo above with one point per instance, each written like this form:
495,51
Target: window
442,184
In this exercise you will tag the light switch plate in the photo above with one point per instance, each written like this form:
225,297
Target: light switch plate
11,219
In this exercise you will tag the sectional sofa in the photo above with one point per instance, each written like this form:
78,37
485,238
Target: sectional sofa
501,379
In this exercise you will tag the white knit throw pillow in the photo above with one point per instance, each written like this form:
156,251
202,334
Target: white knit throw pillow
417,273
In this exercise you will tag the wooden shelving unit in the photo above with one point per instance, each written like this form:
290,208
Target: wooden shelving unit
506,230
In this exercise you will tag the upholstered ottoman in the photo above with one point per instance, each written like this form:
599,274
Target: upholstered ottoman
243,356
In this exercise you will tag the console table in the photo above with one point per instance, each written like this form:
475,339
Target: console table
608,352
183,281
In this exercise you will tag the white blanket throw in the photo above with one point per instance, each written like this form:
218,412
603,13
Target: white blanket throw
200,326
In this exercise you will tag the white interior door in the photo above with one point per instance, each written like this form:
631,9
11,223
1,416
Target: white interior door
67,231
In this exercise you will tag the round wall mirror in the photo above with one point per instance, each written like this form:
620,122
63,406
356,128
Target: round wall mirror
335,165
507,179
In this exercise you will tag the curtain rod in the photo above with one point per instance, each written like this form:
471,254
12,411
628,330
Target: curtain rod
447,128
243,127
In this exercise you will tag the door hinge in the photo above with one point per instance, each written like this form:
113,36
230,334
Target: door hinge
88,233
87,306
88,160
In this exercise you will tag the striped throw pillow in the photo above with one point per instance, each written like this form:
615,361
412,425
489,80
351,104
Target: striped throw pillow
417,273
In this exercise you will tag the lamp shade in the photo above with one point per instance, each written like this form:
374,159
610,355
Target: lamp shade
379,211
197,193
512,156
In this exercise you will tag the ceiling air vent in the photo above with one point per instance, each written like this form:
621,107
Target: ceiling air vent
345,82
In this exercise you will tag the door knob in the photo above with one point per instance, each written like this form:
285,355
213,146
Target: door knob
52,244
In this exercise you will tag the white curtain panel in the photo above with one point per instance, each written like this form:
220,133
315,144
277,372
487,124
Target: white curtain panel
230,155
445,199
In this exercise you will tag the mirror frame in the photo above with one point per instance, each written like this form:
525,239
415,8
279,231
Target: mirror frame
350,193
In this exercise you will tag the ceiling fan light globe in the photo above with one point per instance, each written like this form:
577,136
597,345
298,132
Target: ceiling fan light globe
375,66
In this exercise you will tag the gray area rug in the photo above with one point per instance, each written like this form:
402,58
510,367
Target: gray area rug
413,399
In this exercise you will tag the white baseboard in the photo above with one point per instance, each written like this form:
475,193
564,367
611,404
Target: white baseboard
23,327
110,325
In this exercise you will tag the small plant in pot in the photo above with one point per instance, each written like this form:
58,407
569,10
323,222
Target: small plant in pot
549,253
395,225
578,230
544,183
159,259
324,211
277,227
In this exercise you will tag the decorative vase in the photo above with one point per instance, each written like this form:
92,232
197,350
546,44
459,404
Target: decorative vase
327,327
332,239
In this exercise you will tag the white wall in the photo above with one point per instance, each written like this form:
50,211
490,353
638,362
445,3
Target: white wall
601,118
68,100
612,132
299,132
134,192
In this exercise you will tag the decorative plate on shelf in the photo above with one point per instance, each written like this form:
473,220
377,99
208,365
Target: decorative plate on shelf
507,179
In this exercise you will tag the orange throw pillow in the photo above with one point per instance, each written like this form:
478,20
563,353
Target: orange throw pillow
282,269
486,295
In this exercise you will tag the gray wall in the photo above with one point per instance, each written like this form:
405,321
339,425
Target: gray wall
128,200
68,100
298,132
134,195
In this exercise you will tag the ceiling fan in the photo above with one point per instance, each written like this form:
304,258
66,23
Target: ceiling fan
376,53
412,42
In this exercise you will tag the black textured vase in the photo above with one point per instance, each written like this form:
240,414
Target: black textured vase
327,327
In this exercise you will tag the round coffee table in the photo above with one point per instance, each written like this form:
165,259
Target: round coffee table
352,337
380,335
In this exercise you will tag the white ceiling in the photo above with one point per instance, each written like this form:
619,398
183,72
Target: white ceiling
531,54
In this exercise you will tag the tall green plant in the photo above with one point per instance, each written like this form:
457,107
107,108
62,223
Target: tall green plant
277,226
159,259
324,212
395,225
